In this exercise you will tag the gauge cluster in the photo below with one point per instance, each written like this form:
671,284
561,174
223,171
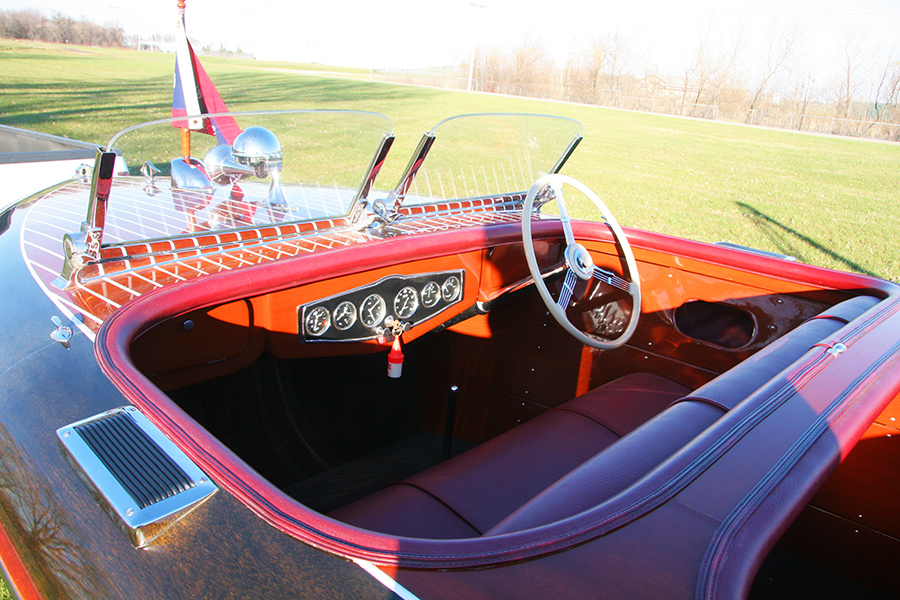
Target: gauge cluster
363,313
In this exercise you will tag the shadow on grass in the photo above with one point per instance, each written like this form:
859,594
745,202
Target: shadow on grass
293,90
37,104
791,242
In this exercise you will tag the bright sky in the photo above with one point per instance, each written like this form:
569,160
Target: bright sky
420,33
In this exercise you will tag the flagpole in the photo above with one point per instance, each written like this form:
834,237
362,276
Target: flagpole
185,131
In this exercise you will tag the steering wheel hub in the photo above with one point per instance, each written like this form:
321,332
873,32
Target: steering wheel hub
579,260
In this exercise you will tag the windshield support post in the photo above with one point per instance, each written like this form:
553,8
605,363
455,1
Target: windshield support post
415,163
566,154
83,246
374,169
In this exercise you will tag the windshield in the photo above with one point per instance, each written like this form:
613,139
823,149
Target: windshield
482,155
252,169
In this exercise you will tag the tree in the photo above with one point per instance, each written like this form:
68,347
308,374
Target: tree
595,72
855,61
782,44
697,72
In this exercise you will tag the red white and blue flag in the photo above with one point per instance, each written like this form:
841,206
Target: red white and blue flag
195,94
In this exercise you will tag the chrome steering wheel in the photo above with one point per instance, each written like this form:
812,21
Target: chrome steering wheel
578,262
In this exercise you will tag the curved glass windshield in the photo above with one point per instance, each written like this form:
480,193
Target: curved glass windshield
482,155
240,170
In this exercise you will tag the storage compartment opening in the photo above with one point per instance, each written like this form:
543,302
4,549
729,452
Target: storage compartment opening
716,323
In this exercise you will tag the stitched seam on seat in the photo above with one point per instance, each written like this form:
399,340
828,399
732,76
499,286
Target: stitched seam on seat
448,507
591,419
837,318
720,405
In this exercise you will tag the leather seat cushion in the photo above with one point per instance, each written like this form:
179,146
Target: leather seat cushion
486,484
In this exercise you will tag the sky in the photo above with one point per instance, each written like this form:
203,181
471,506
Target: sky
424,33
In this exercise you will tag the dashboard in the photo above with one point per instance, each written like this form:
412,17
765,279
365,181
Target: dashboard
393,303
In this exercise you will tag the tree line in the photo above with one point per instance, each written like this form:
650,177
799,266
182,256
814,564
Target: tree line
725,77
32,24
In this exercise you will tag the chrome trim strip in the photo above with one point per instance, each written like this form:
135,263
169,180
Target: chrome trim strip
756,251
141,525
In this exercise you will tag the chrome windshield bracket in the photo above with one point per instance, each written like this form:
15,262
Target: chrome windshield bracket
415,163
362,196
381,218
82,246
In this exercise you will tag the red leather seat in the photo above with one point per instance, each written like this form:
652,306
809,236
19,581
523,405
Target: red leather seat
471,493
580,454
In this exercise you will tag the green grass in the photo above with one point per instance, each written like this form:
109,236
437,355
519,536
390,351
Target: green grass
828,201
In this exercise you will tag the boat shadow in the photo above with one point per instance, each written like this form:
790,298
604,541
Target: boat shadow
794,243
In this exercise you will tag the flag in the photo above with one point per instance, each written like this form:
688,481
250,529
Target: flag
195,94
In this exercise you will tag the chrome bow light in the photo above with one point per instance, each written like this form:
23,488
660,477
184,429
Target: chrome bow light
258,148
222,167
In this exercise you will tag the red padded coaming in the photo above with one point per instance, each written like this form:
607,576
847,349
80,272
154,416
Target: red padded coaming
571,458
489,482
740,381
609,472
616,468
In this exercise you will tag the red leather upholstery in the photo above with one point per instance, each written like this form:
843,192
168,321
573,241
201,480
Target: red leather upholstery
577,455
487,483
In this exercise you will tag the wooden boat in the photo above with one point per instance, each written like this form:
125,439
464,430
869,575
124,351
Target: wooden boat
245,369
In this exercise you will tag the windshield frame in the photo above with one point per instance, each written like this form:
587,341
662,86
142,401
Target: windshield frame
399,196
374,160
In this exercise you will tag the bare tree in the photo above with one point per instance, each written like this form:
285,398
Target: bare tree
31,24
64,26
594,74
728,63
782,44
528,69
697,72
855,61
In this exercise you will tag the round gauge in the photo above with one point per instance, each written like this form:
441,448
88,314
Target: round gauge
317,321
406,302
450,289
344,315
372,310
431,294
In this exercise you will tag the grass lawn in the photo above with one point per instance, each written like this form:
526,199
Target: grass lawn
828,201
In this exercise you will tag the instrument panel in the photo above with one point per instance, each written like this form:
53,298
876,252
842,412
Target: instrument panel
365,313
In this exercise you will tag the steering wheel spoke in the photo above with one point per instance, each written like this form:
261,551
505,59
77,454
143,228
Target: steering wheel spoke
612,279
568,289
557,193
579,264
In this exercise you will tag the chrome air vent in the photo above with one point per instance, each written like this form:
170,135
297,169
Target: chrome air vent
137,474
140,466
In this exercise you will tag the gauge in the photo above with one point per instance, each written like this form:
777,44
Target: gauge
372,310
431,294
344,315
317,321
406,302
450,289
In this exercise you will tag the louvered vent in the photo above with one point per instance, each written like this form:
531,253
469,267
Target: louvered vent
143,480
147,474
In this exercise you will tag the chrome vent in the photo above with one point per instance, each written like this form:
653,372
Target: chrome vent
146,472
136,473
